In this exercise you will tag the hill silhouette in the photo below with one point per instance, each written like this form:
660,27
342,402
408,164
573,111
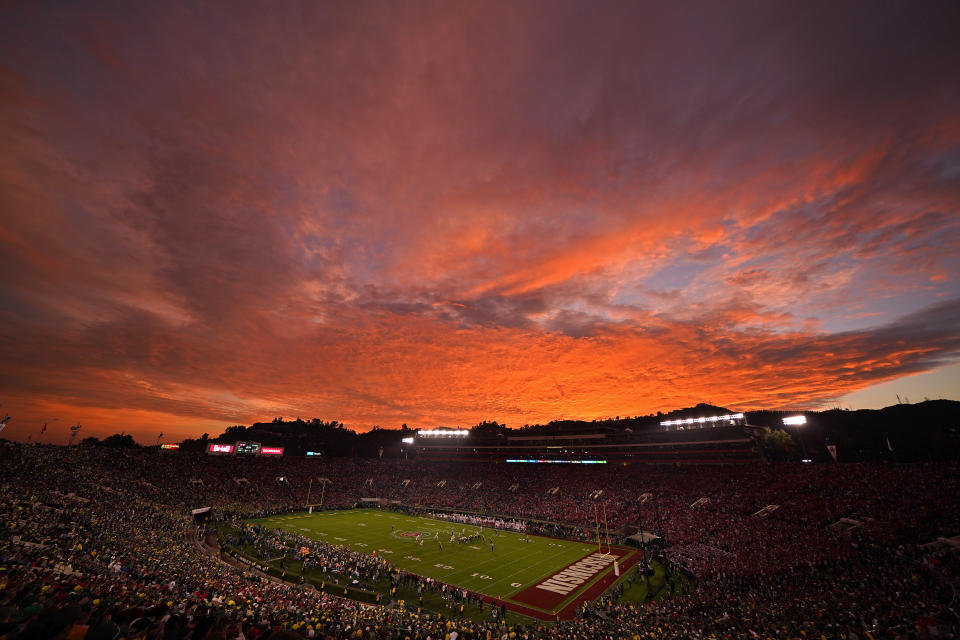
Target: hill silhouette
927,430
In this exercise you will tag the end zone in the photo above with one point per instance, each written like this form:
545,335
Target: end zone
559,595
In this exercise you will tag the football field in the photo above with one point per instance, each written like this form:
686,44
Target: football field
543,577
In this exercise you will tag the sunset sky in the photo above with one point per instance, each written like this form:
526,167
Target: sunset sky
437,213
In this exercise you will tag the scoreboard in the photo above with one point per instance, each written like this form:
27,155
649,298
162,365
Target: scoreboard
248,448
243,449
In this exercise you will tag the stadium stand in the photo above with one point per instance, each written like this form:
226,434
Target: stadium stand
719,445
100,543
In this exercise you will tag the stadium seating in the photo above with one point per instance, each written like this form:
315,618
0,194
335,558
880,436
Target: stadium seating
98,543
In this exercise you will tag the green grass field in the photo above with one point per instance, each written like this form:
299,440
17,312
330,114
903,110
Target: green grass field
512,566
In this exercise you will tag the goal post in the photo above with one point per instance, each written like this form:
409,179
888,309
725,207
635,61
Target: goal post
323,491
606,529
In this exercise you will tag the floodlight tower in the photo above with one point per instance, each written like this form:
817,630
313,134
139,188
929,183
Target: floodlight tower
798,421
699,423
643,540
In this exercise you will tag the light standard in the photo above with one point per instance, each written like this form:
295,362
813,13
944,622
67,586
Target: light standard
798,421
643,539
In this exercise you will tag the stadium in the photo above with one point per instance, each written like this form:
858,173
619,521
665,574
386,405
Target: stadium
457,532
496,320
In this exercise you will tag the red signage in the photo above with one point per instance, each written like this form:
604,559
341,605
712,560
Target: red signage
271,451
220,448
170,446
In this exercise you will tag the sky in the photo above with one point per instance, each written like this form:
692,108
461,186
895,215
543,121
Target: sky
438,213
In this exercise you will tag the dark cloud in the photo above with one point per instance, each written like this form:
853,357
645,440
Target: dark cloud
222,251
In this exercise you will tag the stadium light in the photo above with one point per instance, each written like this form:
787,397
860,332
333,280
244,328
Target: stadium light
441,433
798,421
684,421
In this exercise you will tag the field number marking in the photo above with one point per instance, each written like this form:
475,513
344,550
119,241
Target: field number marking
481,576
515,584
444,566
414,558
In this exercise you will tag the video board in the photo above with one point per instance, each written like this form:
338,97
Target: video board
219,449
248,448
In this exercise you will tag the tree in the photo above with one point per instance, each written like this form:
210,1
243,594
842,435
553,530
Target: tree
119,441
488,428
777,444
195,444
234,432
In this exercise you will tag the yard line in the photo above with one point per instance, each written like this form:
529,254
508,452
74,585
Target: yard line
479,568
549,572
553,556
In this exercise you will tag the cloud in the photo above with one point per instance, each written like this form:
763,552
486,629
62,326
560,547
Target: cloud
438,212
390,368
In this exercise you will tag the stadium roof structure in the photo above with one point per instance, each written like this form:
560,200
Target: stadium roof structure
722,444
643,537
442,433
704,421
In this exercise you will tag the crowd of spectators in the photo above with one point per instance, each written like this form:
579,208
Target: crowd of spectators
99,543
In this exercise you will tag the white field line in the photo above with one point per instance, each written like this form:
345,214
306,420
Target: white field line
524,585
429,524
549,572
479,568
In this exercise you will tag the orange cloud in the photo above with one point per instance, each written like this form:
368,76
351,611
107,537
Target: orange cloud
389,369
382,214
